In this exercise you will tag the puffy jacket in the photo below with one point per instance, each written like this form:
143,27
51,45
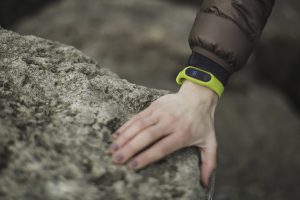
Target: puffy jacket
226,31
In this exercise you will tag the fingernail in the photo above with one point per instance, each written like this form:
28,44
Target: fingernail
113,147
118,157
133,164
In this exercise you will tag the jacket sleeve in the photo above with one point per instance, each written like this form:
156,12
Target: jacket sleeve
227,30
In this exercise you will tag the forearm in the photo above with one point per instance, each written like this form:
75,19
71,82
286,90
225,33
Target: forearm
226,31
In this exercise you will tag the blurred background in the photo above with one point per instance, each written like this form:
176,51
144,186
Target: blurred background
145,41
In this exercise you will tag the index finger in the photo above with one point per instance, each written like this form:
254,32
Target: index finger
145,113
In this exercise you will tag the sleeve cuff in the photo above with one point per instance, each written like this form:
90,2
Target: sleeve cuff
221,40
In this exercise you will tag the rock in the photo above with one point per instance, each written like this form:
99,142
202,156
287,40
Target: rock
11,11
259,143
278,52
58,109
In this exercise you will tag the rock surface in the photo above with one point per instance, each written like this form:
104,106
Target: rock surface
58,108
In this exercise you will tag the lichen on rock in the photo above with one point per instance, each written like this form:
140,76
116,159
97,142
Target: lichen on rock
58,109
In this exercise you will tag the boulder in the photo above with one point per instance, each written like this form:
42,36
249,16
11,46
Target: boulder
58,109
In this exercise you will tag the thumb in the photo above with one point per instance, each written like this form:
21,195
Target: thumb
208,164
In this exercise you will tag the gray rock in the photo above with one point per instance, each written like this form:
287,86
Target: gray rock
58,109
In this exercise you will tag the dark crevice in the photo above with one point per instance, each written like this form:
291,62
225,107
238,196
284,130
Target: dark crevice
5,155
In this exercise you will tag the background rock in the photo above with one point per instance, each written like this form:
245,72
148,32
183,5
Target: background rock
143,41
13,10
278,53
58,109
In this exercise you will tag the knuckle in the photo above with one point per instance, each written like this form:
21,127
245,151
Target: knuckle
120,141
185,135
123,138
135,117
213,166
149,134
130,148
144,158
141,124
159,153
213,144
154,104
171,119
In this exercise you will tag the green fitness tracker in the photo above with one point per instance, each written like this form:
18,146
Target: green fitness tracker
200,77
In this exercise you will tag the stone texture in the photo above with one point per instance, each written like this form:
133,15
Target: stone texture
58,109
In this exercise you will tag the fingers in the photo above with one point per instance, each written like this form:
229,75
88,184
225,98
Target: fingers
208,164
138,143
159,150
147,112
132,130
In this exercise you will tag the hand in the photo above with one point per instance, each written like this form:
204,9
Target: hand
170,123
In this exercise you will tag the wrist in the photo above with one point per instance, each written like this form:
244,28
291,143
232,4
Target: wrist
198,92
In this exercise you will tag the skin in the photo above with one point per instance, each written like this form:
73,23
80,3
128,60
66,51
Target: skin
170,123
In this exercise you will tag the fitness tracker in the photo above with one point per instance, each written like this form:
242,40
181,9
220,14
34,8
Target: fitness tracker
202,62
200,77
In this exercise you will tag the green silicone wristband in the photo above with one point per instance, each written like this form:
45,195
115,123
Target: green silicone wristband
214,84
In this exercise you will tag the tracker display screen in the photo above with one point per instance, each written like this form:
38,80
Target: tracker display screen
198,74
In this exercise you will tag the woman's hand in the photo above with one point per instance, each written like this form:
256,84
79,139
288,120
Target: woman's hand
170,123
